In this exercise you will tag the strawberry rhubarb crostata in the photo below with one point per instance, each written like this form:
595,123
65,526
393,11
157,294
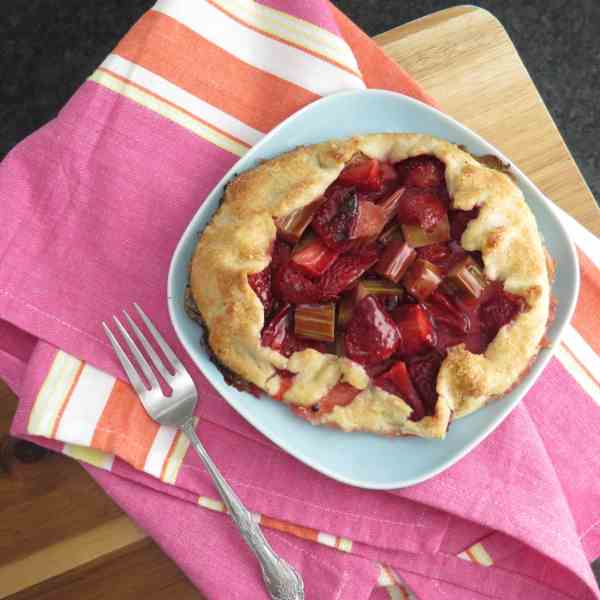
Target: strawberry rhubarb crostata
383,283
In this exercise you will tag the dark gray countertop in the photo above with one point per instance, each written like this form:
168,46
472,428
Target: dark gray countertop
48,47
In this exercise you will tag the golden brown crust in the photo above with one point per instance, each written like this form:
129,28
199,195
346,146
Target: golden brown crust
237,243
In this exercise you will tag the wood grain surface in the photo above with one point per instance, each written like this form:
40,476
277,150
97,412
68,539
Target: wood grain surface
61,537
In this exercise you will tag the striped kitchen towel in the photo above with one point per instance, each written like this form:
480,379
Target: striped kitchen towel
95,203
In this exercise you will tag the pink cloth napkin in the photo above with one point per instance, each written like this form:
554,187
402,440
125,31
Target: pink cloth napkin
94,204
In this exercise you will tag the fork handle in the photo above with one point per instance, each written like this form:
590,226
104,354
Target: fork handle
282,581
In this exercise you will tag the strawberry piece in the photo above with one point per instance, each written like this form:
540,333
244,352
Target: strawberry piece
397,381
369,221
415,329
434,253
280,254
423,373
422,171
499,310
313,258
292,286
286,380
371,335
345,271
364,176
445,313
389,174
424,208
261,284
278,334
459,219
335,220
340,395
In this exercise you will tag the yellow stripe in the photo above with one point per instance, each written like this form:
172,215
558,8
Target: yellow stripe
176,459
479,555
292,29
579,374
211,504
52,393
345,545
94,457
169,111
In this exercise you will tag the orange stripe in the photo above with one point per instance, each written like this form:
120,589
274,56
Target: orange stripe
66,400
585,318
471,556
284,41
378,70
162,99
304,533
124,427
164,46
581,365
169,454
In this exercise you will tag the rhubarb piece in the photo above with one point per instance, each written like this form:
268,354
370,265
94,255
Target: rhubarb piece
292,286
261,284
417,237
345,308
415,328
392,232
371,336
424,208
315,321
423,372
423,171
502,308
459,219
395,260
467,279
313,257
422,279
369,221
292,226
391,203
397,381
364,175
344,272
375,287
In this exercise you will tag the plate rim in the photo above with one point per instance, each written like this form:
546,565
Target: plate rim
544,356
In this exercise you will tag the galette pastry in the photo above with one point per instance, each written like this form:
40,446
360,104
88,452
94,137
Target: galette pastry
384,283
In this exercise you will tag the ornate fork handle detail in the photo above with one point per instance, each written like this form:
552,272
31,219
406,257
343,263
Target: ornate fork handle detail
281,579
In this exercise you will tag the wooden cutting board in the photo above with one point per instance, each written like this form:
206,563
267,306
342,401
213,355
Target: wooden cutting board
61,537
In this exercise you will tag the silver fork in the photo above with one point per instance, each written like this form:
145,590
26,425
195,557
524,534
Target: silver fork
282,581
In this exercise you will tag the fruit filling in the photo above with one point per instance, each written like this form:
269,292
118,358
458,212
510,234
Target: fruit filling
373,270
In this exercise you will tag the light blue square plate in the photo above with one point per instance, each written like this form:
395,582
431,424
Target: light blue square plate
360,459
